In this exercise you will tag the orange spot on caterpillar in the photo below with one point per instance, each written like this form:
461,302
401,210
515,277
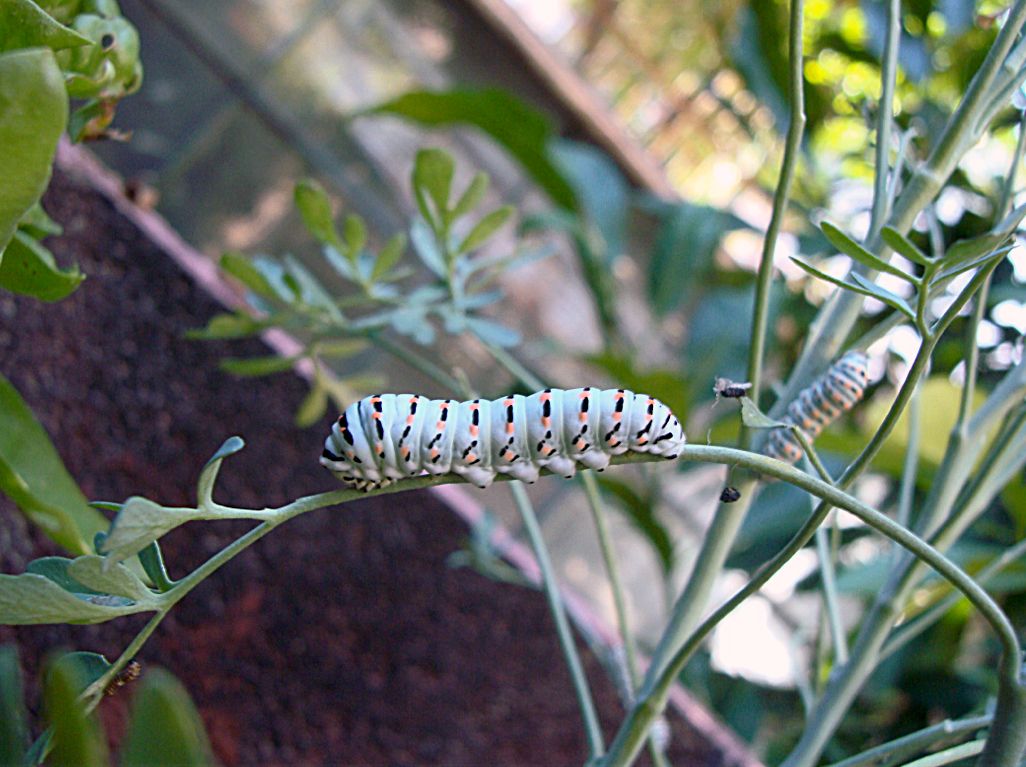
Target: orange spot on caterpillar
617,416
509,428
435,452
439,425
473,430
376,416
409,419
582,417
471,457
546,421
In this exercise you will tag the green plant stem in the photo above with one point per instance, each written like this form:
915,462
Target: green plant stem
914,742
591,725
910,465
781,197
953,754
885,120
652,697
416,361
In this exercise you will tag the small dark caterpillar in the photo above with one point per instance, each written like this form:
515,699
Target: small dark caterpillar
128,674
816,407
386,437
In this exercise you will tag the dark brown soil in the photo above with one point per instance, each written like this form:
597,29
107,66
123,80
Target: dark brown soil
342,638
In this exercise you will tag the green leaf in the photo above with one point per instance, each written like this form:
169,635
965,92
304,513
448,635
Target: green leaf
883,294
602,193
56,569
14,731
492,332
31,599
242,268
471,196
389,256
425,246
106,577
485,228
902,245
684,253
29,269
315,208
432,176
257,366
77,737
641,511
866,288
754,418
966,265
309,287
152,562
523,131
23,24
207,477
139,523
313,406
856,252
223,326
91,666
33,114
33,476
164,726
37,224
356,235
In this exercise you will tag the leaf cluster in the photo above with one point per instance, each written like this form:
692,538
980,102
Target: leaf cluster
366,294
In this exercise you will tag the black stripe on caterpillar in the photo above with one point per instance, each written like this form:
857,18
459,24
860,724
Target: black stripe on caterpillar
838,390
386,437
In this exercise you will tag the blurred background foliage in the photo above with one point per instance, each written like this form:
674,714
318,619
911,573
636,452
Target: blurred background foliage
651,279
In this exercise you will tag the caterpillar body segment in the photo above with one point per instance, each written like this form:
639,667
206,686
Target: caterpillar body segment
817,406
386,437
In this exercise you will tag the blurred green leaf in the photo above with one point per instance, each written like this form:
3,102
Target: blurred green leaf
355,232
91,666
684,253
471,196
77,737
641,511
883,294
315,209
221,326
602,192
432,176
37,224
14,733
245,271
313,406
524,132
389,256
33,476
164,726
257,366
33,114
964,265
23,24
29,269
665,385
856,252
485,228
492,332
425,246
308,287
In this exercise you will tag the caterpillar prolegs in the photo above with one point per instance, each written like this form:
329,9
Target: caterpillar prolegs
386,437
